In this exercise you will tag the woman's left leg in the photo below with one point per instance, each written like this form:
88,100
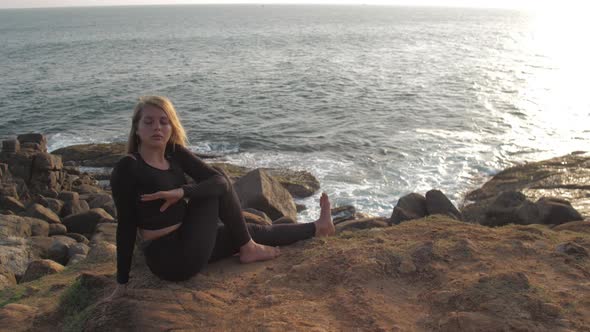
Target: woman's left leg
270,235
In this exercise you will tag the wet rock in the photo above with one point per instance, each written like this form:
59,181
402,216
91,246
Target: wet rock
511,208
343,213
57,229
16,317
85,222
411,206
105,232
556,211
438,203
40,268
260,191
40,212
300,207
567,176
364,223
572,249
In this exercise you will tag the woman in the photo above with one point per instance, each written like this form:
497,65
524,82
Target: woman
179,238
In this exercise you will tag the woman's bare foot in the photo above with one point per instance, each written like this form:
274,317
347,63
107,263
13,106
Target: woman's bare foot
254,252
324,226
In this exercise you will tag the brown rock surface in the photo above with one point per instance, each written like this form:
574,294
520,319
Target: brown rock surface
260,191
418,276
17,317
40,268
566,177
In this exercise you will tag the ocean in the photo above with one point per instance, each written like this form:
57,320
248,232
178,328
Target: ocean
376,102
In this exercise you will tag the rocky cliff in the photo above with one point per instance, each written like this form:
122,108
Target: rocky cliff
514,257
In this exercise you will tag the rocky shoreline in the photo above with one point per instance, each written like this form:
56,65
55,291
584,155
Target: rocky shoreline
58,225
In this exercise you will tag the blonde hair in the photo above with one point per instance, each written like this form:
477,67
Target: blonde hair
178,135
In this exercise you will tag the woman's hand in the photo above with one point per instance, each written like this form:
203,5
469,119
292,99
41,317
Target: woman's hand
170,197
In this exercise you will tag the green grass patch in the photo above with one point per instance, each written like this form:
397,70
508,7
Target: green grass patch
11,295
76,304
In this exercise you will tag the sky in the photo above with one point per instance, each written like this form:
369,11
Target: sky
529,4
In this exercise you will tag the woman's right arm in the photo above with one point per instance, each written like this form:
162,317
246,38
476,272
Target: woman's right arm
124,187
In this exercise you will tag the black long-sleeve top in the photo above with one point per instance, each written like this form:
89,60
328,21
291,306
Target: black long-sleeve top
133,177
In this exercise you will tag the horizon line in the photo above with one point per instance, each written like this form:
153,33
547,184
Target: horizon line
277,4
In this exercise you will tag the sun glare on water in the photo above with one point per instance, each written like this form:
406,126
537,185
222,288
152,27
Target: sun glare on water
558,85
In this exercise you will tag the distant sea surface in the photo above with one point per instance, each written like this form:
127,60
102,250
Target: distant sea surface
376,102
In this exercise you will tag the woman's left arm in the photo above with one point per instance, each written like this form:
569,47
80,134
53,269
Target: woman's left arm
209,181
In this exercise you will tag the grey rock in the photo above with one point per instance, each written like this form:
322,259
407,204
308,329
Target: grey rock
85,222
409,207
438,203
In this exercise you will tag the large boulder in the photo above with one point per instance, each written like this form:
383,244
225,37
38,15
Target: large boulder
60,249
102,251
95,155
38,227
411,206
438,203
33,139
52,204
85,222
40,268
298,183
15,254
40,212
557,211
260,191
11,225
511,207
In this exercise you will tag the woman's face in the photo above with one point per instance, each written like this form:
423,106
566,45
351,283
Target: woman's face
154,129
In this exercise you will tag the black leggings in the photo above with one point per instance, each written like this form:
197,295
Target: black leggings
182,253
